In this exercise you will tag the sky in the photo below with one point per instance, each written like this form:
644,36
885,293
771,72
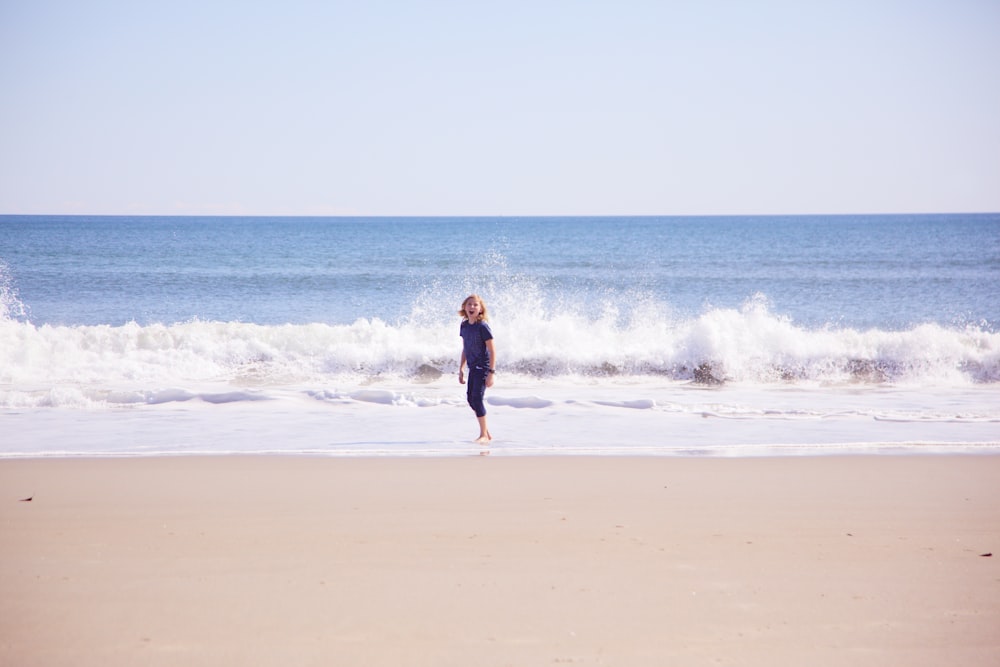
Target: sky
515,108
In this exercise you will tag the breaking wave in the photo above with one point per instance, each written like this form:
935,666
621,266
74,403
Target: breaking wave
138,363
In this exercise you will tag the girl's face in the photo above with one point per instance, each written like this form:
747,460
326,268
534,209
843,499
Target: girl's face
473,309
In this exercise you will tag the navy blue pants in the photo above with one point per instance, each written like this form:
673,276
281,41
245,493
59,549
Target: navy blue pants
477,390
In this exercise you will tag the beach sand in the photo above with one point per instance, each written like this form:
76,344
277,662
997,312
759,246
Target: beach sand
485,561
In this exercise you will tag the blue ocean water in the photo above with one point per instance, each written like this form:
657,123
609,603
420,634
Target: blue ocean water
119,313
889,272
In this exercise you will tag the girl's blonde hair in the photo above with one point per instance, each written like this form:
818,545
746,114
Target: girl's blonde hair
483,316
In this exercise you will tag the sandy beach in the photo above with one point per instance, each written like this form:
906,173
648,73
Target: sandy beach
500,561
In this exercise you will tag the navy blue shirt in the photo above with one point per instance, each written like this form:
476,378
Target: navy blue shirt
474,336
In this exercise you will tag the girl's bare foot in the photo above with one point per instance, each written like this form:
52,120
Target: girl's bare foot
483,439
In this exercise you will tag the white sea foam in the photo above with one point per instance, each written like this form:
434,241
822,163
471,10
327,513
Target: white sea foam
629,378
527,417
132,363
11,307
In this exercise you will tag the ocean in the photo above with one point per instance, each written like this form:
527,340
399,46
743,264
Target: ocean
697,336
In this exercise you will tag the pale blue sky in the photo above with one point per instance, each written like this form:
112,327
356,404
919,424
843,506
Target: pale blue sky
382,107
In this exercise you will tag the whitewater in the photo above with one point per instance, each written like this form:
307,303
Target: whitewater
614,369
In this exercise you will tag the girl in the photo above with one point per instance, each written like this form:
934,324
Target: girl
478,353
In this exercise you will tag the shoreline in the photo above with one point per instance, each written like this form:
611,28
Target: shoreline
561,420
472,450
624,560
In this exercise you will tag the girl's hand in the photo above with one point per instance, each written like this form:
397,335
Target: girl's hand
489,380
461,377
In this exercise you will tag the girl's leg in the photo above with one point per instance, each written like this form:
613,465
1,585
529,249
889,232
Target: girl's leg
484,433
476,396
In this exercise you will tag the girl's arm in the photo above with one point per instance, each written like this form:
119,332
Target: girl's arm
493,361
461,365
